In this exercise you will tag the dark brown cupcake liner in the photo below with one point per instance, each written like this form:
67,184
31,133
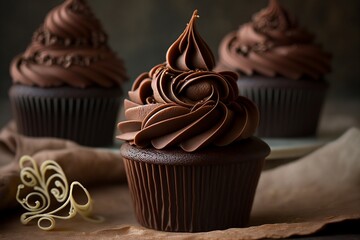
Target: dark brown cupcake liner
193,197
287,108
86,116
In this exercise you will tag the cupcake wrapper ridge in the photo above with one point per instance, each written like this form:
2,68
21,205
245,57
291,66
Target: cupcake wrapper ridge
290,110
87,118
185,198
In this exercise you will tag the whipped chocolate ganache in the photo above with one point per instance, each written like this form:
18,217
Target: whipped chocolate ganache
184,103
70,48
273,44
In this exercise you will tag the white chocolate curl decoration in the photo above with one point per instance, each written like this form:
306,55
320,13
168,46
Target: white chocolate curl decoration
47,184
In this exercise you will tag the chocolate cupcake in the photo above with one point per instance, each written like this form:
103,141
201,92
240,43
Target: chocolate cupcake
192,164
67,84
281,69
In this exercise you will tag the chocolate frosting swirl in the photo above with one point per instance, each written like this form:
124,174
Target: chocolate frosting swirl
273,44
70,48
190,108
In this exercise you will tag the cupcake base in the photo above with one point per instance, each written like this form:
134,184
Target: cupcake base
86,116
288,108
210,189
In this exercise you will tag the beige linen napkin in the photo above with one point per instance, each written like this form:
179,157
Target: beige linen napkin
326,183
87,165
299,198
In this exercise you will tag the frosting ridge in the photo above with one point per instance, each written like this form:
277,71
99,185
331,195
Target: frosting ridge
273,44
184,103
69,48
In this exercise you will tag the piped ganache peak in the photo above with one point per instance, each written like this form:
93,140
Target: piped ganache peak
183,103
273,44
190,51
70,48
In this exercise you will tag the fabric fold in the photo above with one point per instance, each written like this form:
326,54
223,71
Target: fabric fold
90,166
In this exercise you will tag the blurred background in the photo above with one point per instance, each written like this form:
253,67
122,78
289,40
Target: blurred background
140,32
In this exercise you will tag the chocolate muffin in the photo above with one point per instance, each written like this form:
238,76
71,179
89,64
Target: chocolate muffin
281,69
192,164
67,84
